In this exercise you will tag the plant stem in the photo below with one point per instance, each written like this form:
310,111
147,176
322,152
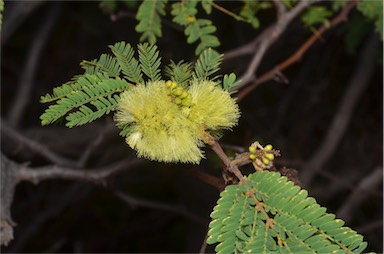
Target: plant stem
229,164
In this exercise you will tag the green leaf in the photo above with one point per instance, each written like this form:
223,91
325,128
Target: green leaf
92,89
129,65
207,64
315,15
241,226
250,9
149,19
183,12
103,106
180,72
229,81
149,61
106,64
373,10
195,29
207,6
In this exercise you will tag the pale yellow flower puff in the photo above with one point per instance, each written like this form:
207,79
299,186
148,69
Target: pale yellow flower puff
158,130
212,106
162,129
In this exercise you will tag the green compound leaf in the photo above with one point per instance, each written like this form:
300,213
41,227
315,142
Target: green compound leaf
93,89
183,12
207,64
229,81
149,19
106,64
129,65
180,72
268,213
61,91
149,61
195,29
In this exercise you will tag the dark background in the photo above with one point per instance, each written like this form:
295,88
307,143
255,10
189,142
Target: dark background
167,206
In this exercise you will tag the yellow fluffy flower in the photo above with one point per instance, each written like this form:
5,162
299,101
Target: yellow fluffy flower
212,106
164,121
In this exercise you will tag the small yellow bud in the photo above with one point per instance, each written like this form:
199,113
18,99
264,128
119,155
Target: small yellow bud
270,156
187,102
268,147
168,84
177,101
252,149
178,91
265,161
183,95
173,85
252,156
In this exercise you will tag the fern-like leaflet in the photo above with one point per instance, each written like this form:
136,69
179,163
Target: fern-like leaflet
267,214
95,93
207,64
196,29
180,72
92,88
149,61
149,19
106,64
130,67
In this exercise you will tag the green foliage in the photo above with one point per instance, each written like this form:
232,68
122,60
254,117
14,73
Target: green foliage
250,9
207,64
373,10
106,64
180,72
130,67
229,81
149,19
289,3
95,93
149,61
267,214
183,11
1,12
97,90
196,29
315,15
207,6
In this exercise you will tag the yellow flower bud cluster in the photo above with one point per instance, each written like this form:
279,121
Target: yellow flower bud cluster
261,157
164,120
178,94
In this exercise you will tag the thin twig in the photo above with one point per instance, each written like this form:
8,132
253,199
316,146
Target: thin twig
54,208
280,8
370,182
29,71
94,144
134,202
97,176
15,15
44,151
227,162
229,13
358,83
267,38
342,16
